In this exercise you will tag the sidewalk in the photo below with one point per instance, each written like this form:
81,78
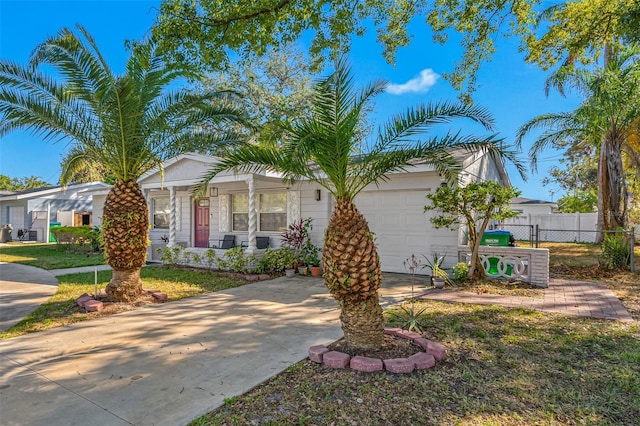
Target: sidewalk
168,364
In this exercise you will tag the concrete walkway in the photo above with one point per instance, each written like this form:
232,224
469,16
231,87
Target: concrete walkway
167,364
80,269
561,297
22,290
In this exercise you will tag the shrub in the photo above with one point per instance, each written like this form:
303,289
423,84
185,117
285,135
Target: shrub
210,258
616,251
274,261
237,261
171,255
460,271
78,239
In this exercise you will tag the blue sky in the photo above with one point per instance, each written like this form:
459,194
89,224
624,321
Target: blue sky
510,89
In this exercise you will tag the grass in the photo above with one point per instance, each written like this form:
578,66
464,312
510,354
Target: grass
503,367
61,308
47,256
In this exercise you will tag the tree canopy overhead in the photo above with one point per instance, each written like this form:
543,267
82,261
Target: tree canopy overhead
205,31
18,184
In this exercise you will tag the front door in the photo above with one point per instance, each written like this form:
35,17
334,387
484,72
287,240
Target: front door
202,222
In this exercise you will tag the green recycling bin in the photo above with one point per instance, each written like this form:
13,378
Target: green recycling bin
497,238
52,225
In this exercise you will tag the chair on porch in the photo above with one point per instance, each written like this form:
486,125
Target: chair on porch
229,241
261,243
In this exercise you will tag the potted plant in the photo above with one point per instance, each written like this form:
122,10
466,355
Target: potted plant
286,260
296,238
438,273
312,259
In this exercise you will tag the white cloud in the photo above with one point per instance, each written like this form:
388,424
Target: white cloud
420,84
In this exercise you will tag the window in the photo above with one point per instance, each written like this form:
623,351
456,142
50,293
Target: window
161,212
273,212
240,212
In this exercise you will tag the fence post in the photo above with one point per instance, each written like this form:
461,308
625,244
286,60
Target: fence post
632,243
531,237
537,236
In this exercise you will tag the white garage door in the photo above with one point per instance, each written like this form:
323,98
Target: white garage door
401,227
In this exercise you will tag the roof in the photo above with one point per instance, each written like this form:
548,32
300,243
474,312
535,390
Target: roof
48,190
530,201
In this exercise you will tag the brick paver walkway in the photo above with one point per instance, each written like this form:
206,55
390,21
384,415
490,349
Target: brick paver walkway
561,297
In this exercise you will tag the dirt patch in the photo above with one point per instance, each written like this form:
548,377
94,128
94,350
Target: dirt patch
113,307
393,347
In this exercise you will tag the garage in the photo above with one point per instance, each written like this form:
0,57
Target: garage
402,228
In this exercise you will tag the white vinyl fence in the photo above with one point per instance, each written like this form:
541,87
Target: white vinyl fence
556,227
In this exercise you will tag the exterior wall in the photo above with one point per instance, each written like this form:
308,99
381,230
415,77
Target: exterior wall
320,211
480,168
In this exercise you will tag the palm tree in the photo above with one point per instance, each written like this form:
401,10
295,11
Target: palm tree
328,147
124,124
607,120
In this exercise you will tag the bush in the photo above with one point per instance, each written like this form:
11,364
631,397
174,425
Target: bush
275,261
616,251
171,255
237,261
78,239
460,271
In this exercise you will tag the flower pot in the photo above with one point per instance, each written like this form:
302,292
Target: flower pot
438,282
289,273
303,270
316,271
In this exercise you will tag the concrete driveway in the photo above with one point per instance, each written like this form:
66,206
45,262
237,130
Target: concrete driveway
22,290
167,364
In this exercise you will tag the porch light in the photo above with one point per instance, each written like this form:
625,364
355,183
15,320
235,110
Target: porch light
317,195
213,191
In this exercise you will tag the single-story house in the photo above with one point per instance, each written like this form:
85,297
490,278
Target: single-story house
250,205
35,209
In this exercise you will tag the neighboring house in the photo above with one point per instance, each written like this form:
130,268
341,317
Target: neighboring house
35,209
526,206
247,205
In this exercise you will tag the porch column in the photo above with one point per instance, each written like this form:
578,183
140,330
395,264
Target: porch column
172,217
48,223
147,198
253,216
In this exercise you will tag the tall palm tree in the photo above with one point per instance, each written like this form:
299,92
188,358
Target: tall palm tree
607,120
126,124
328,147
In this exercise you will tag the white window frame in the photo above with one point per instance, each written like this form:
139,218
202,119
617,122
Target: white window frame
167,213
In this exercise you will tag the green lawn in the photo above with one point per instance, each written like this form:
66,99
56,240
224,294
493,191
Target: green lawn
504,367
61,308
47,256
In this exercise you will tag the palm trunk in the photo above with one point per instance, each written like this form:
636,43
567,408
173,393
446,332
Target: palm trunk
125,230
617,184
603,195
353,276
